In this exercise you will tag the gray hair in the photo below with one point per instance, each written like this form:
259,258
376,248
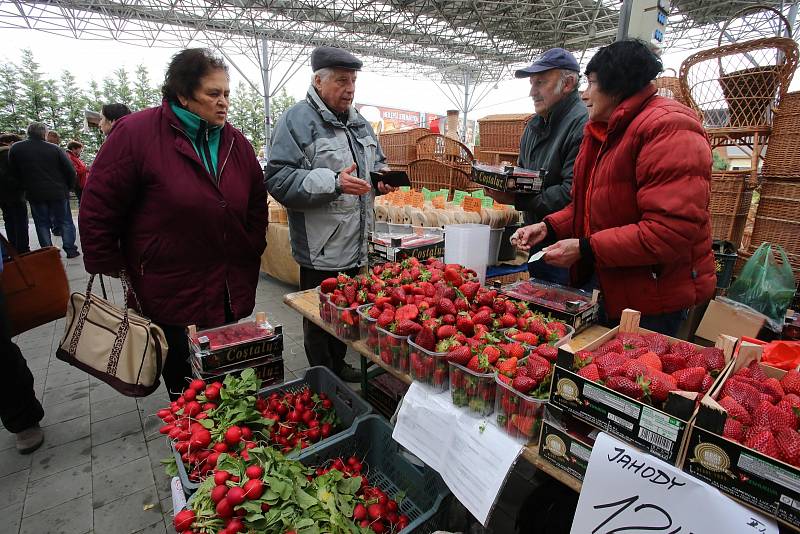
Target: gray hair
567,74
37,130
323,73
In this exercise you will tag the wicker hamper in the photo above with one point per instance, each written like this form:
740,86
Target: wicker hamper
436,175
400,146
778,216
783,150
446,150
502,132
729,204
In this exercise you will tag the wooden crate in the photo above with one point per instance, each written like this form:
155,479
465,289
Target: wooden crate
502,132
400,146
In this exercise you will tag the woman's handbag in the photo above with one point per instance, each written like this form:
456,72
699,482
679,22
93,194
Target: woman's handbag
35,285
117,346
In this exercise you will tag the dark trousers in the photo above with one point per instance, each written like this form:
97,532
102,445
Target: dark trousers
15,215
177,370
548,273
321,347
19,407
54,213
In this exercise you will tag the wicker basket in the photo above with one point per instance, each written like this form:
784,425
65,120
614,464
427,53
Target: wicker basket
783,151
446,150
502,132
436,175
276,212
670,87
749,93
729,203
783,232
780,199
400,146
478,155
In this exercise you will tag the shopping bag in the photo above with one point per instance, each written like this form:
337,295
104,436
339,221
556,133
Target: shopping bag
765,284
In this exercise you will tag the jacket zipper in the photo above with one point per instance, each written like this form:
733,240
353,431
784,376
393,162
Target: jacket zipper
215,182
361,206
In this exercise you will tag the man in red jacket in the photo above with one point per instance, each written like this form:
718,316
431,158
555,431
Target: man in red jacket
638,225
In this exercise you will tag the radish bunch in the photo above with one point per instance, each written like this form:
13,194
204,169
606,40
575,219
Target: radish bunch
301,418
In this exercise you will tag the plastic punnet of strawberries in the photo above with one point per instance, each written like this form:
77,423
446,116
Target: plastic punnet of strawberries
269,493
647,367
762,412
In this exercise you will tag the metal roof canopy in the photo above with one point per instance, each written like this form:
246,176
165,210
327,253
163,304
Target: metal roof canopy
470,44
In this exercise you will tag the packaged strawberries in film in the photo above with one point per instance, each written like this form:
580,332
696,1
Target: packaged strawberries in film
575,307
233,344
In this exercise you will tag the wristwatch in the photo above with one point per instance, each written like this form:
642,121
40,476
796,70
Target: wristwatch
338,185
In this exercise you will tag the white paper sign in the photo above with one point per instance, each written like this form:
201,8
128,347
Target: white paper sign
471,453
626,490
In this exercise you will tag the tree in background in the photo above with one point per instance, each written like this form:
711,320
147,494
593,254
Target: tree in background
52,104
73,107
11,119
144,94
33,99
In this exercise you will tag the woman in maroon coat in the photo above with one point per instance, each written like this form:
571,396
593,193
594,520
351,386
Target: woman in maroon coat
638,225
176,198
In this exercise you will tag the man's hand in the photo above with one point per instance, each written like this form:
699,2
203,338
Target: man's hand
563,253
353,185
385,188
528,236
500,196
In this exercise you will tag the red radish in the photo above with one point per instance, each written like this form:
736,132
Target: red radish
235,525
378,527
247,433
183,520
235,496
211,393
200,439
265,507
359,512
224,509
233,435
391,506
218,493
220,477
192,408
253,489
376,511
325,429
197,384
220,447
166,429
165,412
254,471
209,406
189,394
212,459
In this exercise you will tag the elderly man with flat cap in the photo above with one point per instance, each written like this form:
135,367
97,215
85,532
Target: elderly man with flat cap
319,168
549,144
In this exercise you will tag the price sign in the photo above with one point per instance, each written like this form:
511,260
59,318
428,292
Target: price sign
438,202
478,193
626,490
472,204
458,196
487,202
405,188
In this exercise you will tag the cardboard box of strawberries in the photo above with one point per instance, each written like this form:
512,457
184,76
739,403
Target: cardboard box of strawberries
745,440
639,385
566,442
575,307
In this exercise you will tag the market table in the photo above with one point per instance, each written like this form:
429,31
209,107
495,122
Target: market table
306,303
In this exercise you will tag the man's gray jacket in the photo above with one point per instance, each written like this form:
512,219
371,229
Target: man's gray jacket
328,230
550,146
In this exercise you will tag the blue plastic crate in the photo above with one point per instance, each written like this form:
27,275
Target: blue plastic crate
371,440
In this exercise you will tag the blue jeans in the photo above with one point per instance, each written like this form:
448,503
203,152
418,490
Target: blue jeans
15,215
54,210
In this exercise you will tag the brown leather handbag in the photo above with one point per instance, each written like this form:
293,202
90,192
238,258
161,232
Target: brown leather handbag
35,286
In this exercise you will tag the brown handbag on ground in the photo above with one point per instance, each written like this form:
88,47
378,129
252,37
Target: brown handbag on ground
35,285
117,346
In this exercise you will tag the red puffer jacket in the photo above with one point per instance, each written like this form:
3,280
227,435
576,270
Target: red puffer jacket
648,219
150,206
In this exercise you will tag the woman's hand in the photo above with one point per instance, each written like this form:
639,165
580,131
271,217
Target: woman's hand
563,253
528,236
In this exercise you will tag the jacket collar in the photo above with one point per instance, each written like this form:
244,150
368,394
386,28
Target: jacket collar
313,98
560,109
192,124
629,108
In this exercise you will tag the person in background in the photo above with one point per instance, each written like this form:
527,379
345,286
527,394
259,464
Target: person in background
319,169
549,144
47,176
12,199
638,226
188,227
20,410
110,114
53,137
74,149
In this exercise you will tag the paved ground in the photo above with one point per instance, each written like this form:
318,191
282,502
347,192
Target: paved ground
98,470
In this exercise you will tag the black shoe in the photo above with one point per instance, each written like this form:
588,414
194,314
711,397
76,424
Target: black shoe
73,254
349,374
57,232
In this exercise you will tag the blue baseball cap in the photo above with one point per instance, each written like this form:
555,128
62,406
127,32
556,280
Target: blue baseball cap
555,58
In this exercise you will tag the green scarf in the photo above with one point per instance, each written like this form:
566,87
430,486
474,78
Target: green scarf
204,138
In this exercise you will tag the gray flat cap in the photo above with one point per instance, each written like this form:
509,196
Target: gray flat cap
331,57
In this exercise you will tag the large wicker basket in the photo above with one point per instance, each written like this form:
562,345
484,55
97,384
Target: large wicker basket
400,146
670,87
446,150
436,175
783,151
729,205
749,93
502,132
778,216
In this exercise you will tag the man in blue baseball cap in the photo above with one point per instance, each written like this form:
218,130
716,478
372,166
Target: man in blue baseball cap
550,143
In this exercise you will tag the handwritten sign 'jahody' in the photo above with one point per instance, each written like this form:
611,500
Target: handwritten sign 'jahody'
626,490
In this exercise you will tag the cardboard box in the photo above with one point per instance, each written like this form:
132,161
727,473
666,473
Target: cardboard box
722,318
566,443
269,369
233,345
380,251
752,478
508,178
662,433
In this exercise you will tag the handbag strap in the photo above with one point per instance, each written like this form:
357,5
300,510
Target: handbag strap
17,258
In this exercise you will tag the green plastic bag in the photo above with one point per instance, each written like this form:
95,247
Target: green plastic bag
765,284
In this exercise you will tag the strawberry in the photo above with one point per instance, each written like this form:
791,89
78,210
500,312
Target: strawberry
523,384
659,386
733,430
446,331
743,393
514,350
328,285
460,355
613,345
764,442
690,379
625,386
446,306
783,416
528,338
683,348
708,381
673,362
609,364
651,360
633,369
791,382
736,410
465,324
756,372
789,444
452,274
524,423
446,344
425,339
469,289
482,317
386,318
590,372
773,388
499,307
478,364
374,312
557,327
523,371
504,379
657,343
492,354
538,368
548,352
792,399
408,312
696,360
715,358
406,327
507,320
764,414
507,367
349,293
536,326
